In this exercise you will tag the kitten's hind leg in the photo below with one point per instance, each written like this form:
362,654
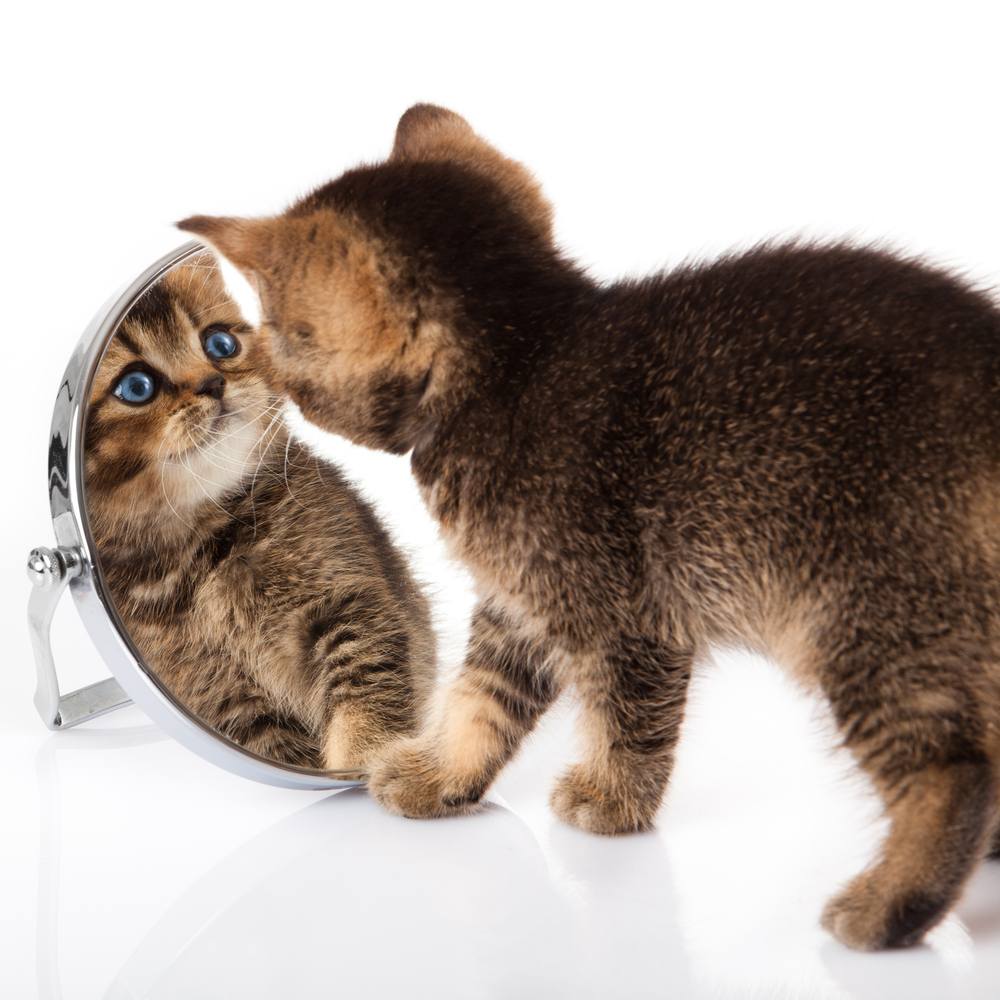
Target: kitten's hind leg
633,697
916,731
249,718
503,688
938,826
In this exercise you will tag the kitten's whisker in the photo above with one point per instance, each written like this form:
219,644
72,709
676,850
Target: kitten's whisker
215,439
263,453
264,411
284,472
199,481
163,485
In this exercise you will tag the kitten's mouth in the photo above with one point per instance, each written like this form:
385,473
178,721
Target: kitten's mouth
224,428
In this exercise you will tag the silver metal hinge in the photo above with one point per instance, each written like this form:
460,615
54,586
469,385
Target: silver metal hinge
50,571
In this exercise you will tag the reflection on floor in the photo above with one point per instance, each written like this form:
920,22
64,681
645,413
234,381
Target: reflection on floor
159,877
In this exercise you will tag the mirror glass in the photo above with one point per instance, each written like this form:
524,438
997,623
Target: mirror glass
257,587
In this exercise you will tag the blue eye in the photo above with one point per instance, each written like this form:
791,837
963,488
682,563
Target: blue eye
136,387
220,344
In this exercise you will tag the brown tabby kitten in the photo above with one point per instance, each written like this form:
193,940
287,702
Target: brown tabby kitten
259,587
796,449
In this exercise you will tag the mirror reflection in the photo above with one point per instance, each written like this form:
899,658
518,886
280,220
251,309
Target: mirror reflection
258,586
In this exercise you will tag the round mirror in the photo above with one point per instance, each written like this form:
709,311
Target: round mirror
239,587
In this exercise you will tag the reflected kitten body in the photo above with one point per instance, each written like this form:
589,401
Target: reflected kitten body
795,450
256,583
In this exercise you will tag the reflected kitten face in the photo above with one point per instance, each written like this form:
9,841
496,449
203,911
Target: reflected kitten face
179,411
351,343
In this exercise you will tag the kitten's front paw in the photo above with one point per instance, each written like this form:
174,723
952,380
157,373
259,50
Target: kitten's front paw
599,805
407,778
868,916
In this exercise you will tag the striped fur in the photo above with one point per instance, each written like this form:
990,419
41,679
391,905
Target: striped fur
795,449
257,585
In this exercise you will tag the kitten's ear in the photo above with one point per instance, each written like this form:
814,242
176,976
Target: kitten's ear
429,133
426,129
245,243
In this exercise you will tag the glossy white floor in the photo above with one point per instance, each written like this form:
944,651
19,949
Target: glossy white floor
133,869
128,867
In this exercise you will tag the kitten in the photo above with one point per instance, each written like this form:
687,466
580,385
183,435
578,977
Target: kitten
796,449
258,586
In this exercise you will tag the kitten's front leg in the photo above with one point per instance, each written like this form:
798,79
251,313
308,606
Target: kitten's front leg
633,696
363,683
502,690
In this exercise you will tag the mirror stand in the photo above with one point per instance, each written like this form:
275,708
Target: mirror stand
50,571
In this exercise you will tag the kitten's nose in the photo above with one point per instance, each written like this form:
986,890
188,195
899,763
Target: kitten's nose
214,386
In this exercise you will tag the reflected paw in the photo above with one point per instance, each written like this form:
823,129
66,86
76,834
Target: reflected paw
868,917
408,779
600,805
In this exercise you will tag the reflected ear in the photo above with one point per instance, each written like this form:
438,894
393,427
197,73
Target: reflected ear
245,243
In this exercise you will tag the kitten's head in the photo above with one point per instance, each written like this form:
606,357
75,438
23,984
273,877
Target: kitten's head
364,283
179,410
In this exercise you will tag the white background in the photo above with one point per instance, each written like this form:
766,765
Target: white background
660,131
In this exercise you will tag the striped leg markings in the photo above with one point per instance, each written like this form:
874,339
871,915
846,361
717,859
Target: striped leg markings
903,706
633,696
502,690
250,719
362,691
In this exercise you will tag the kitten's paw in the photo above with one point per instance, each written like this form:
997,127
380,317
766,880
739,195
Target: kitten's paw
868,916
353,739
407,778
599,806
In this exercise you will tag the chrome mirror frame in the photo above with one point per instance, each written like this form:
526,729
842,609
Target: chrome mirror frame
74,564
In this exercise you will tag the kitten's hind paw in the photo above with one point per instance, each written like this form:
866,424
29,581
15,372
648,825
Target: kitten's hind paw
601,806
408,779
867,916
